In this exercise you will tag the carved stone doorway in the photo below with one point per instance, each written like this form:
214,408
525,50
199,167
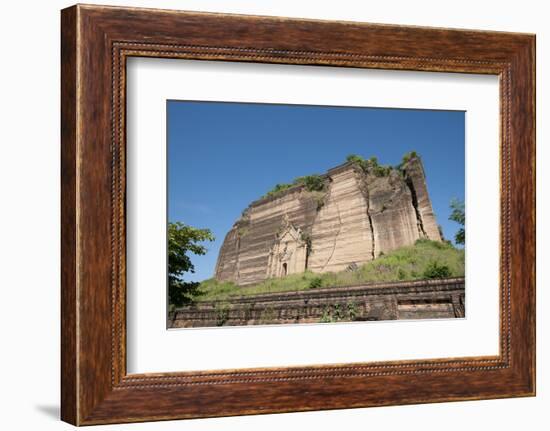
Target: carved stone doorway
288,254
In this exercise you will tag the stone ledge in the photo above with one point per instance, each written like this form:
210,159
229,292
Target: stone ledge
421,299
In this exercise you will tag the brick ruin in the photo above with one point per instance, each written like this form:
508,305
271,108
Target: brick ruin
356,217
421,299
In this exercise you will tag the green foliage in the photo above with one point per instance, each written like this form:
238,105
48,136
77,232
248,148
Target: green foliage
326,317
377,169
361,162
458,215
222,313
278,189
405,263
352,310
339,312
370,166
407,157
435,244
267,315
182,240
315,182
312,183
381,171
354,158
437,270
319,198
181,292
410,155
315,283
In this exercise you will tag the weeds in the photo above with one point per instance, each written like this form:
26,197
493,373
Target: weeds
424,259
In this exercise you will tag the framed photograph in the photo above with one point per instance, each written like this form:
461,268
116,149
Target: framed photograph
266,215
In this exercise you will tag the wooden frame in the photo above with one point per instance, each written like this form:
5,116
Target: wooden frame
96,41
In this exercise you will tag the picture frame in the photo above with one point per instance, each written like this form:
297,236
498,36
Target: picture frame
96,42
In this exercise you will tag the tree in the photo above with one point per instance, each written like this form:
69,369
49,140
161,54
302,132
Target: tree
458,215
182,240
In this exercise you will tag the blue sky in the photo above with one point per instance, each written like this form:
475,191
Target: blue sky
222,156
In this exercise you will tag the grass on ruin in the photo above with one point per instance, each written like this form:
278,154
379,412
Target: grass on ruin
425,259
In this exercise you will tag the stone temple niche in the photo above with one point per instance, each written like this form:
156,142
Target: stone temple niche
289,253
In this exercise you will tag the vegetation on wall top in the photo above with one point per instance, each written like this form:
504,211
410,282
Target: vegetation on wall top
425,259
370,166
317,182
312,183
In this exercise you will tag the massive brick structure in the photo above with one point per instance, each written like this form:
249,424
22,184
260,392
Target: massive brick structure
359,214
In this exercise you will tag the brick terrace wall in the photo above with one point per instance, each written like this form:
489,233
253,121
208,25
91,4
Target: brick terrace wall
422,299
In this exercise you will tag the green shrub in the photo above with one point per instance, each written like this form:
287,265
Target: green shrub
326,317
338,313
433,244
381,171
409,156
316,282
358,160
437,270
355,158
352,310
278,189
222,314
267,315
371,165
320,200
313,183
